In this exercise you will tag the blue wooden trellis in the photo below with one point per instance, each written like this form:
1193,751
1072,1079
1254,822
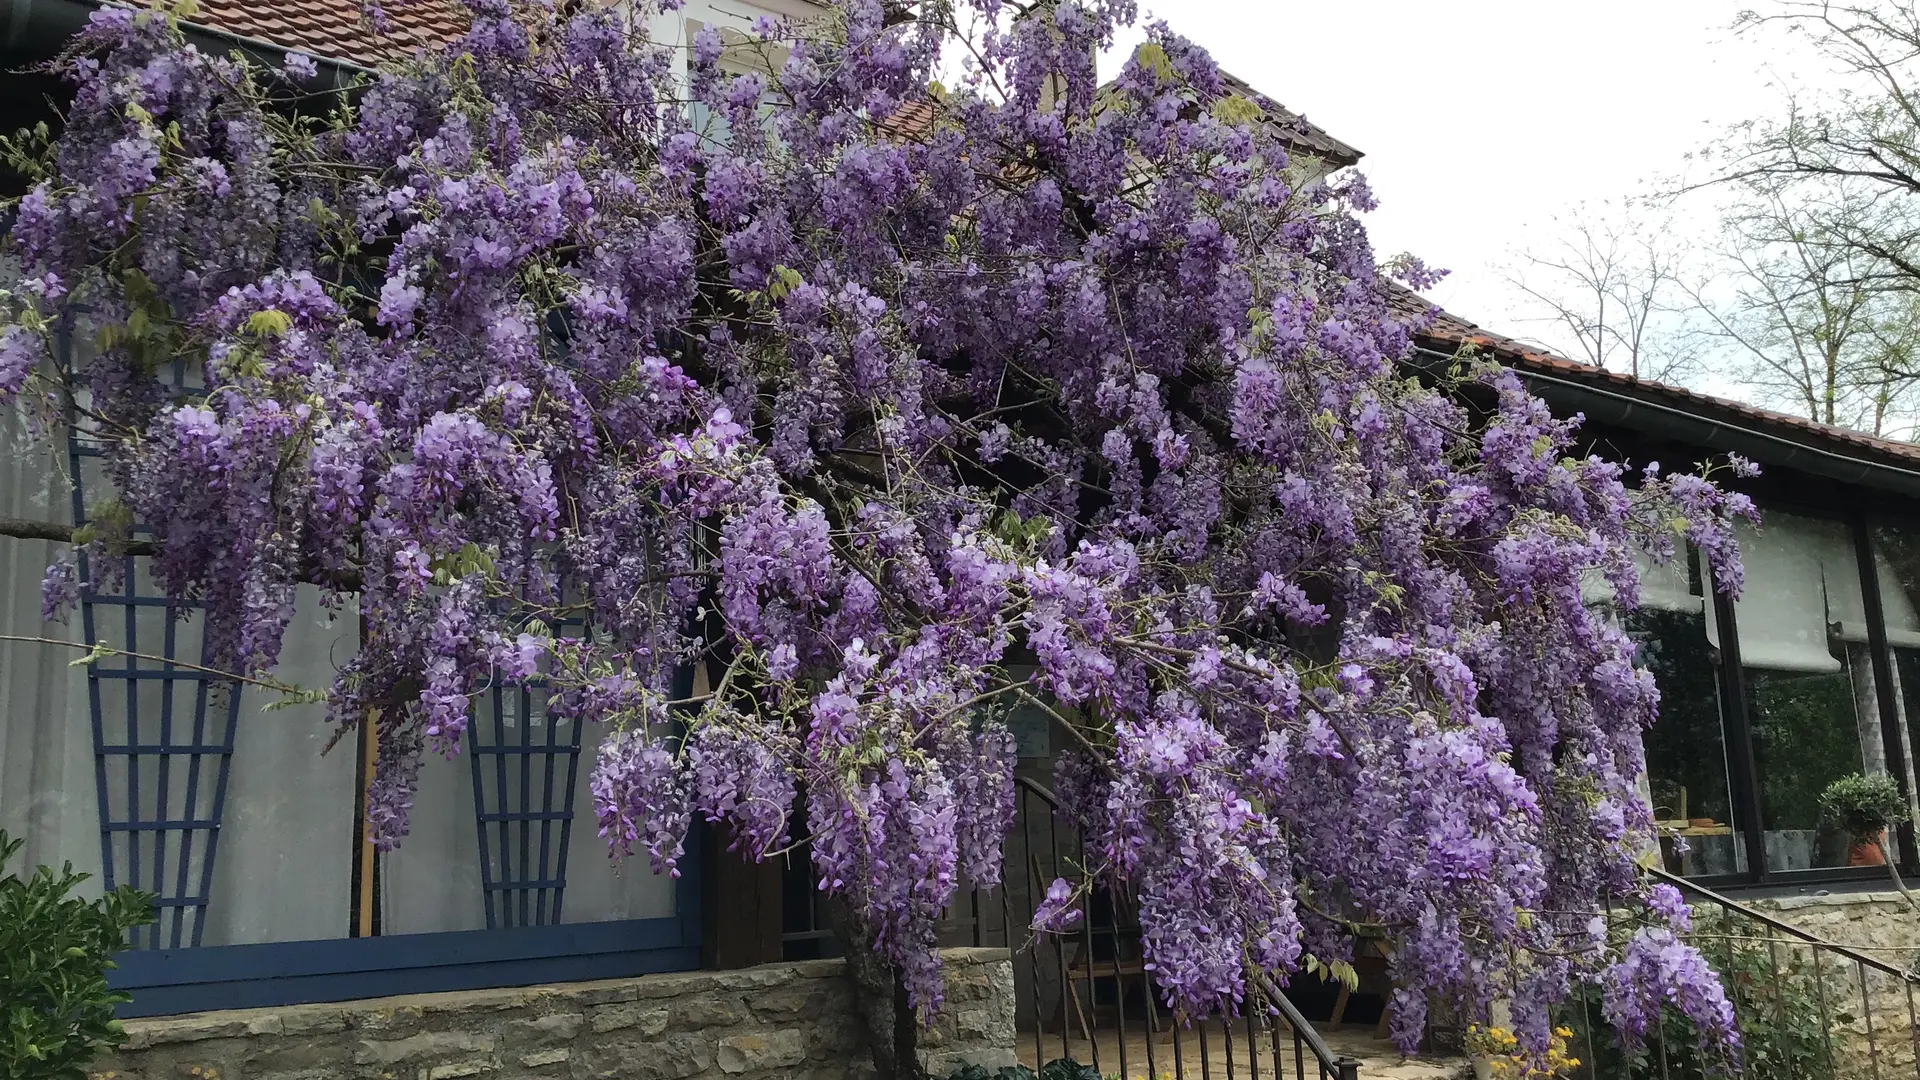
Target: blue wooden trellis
164,737
160,777
525,778
525,774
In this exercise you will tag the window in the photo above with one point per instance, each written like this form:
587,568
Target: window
149,773
1809,696
1896,557
743,54
1754,724
1686,750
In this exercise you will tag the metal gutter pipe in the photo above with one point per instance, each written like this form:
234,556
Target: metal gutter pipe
1613,407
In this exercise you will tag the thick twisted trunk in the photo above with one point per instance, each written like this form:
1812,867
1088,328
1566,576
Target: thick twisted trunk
892,1027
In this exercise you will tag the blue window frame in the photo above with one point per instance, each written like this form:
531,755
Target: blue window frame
177,980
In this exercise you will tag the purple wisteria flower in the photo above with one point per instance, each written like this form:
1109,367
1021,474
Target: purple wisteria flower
1059,911
299,66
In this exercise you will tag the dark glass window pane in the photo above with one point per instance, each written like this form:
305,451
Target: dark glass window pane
1686,748
1809,678
1805,736
1896,555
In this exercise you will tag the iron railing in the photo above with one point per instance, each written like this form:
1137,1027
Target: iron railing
1088,995
1807,1008
1076,981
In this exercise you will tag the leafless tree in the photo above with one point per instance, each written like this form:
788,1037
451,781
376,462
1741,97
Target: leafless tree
1848,159
1609,288
1809,322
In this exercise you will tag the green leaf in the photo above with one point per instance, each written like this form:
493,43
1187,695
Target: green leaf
100,651
1155,60
782,281
1235,110
269,323
1344,974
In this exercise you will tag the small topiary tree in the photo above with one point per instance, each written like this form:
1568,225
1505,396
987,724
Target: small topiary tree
1866,806
55,951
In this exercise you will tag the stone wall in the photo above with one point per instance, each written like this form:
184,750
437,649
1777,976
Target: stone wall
781,1020
1880,1037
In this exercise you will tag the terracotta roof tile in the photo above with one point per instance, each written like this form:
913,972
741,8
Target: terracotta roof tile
916,117
334,28
1295,130
1448,332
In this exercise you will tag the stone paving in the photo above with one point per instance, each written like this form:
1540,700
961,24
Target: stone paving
1379,1059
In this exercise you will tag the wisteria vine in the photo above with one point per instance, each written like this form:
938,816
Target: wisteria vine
772,356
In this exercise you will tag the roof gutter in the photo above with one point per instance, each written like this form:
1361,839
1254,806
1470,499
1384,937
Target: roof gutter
44,26
1624,410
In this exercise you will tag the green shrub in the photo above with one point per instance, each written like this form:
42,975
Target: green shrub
1775,997
56,1012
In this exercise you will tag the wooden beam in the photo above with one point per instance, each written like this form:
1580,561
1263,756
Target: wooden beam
365,858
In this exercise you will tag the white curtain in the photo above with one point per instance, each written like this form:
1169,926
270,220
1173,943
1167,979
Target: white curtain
433,881
283,858
1663,586
285,863
46,750
1896,609
1800,573
283,867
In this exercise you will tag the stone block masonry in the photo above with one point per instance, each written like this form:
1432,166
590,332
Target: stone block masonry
778,1021
1874,1033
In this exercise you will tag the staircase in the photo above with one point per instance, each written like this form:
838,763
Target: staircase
1087,995
1808,1008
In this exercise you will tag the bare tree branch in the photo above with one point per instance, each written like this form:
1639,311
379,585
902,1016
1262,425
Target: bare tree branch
24,529
1609,285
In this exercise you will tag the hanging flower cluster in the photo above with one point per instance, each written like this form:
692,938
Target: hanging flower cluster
770,355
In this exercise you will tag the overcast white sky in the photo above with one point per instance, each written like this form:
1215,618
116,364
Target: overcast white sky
1481,119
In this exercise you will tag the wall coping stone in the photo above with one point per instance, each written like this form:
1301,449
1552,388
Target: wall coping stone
385,1013
1825,899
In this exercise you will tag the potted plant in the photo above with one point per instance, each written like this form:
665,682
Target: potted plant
1865,806
1485,1045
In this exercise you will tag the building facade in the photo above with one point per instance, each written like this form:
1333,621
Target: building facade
148,771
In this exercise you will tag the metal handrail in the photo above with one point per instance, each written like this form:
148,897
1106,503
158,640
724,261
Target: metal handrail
1331,1065
1190,1046
1786,928
1339,1065
1034,786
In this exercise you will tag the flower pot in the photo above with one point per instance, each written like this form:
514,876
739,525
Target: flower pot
1867,852
1482,1068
